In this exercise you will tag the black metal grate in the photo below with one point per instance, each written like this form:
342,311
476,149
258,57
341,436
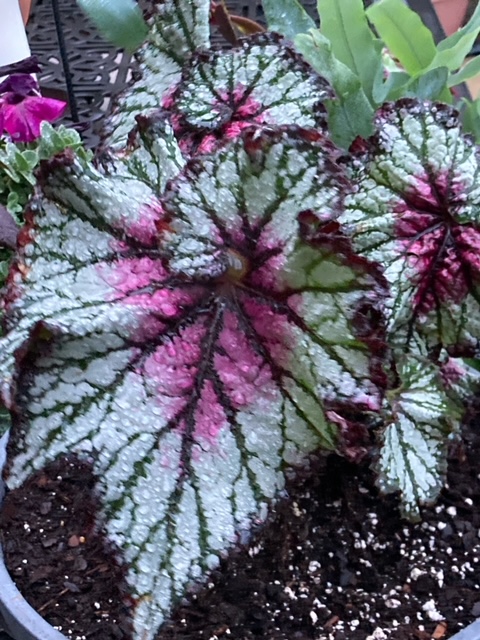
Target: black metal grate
98,69
101,71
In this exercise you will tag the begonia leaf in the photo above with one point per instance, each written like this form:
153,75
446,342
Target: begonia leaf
153,155
416,213
262,80
189,347
418,416
460,377
177,28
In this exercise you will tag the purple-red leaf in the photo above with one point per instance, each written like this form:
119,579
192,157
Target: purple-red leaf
8,228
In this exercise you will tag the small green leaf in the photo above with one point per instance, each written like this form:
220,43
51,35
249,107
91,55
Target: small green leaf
287,17
350,114
349,118
470,70
393,86
56,140
344,24
13,202
120,21
405,35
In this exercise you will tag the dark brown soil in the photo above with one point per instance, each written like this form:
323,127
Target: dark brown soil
335,563
59,560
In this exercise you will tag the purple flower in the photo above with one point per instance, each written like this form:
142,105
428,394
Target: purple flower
23,109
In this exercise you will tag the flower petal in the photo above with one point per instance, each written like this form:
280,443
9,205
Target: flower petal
22,119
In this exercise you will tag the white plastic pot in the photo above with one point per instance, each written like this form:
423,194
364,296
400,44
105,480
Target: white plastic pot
13,39
23,623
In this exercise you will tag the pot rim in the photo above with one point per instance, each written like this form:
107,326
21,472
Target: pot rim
22,622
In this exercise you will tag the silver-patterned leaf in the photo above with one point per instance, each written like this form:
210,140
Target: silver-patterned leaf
263,80
419,416
153,155
189,347
416,212
177,28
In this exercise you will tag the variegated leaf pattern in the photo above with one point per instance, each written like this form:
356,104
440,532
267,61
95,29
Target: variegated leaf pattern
262,80
191,365
100,208
153,155
416,212
418,416
177,28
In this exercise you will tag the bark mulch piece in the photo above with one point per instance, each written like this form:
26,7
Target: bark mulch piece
336,562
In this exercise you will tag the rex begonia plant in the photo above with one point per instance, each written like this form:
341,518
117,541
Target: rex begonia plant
229,291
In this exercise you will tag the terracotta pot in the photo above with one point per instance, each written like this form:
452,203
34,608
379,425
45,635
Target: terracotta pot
25,6
451,13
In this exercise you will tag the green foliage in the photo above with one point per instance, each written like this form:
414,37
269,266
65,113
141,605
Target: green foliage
345,25
120,21
18,163
56,140
347,52
350,112
429,86
405,35
452,51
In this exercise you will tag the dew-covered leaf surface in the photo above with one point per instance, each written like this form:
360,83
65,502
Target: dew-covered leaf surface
418,417
177,28
153,155
190,347
416,213
262,80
